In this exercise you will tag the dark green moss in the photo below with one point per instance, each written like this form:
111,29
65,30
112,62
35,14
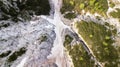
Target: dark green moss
16,54
107,24
70,15
43,38
42,6
11,9
67,6
79,56
5,54
116,14
4,25
68,39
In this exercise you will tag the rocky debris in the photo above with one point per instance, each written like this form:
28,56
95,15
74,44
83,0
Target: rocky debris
36,39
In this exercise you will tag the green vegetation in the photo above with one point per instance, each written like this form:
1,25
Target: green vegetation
67,6
25,9
68,40
116,14
100,39
70,15
15,55
79,56
4,25
82,5
99,6
43,38
91,35
5,54
111,4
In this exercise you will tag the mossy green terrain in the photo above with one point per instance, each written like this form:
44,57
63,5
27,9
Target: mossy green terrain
70,15
79,56
100,39
111,4
99,6
115,14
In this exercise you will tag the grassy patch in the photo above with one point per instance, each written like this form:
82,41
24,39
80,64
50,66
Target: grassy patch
68,40
78,54
111,4
100,38
99,6
67,6
70,15
115,14
80,57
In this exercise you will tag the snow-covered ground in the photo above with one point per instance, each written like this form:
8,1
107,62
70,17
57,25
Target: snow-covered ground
28,35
